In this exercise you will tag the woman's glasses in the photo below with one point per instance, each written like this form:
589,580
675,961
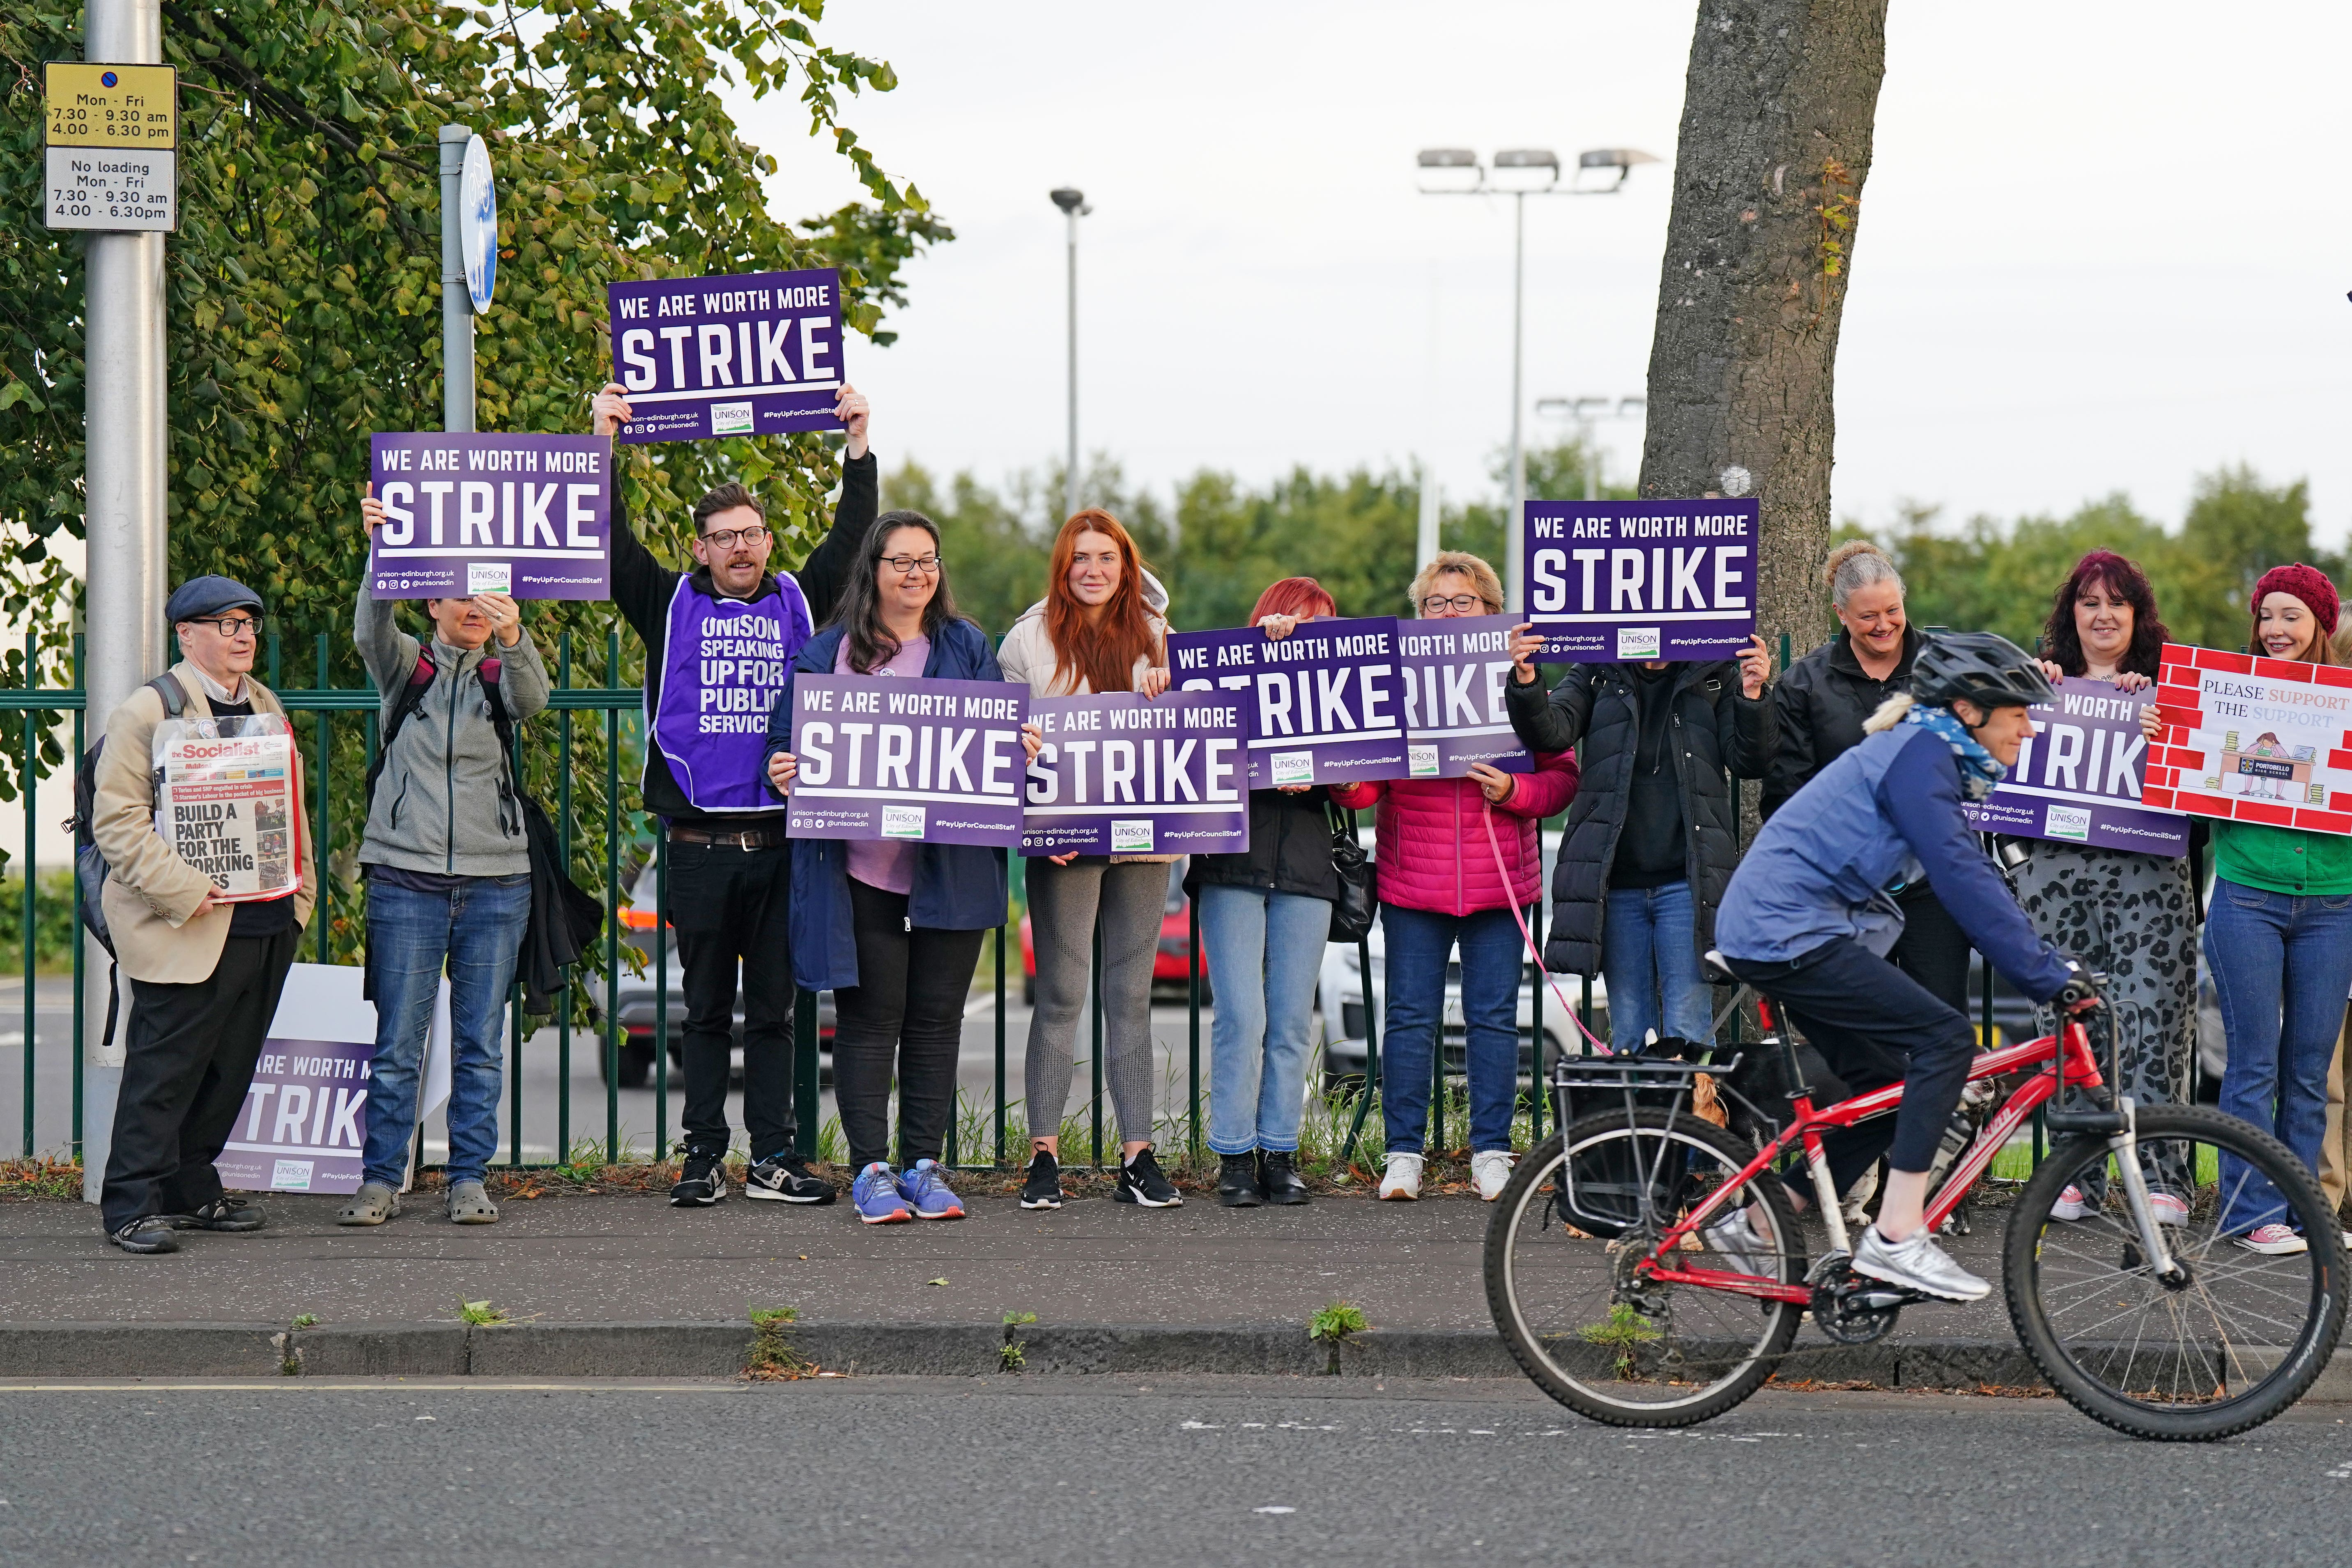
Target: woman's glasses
1438,604
908,565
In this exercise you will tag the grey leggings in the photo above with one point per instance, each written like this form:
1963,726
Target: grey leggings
1062,903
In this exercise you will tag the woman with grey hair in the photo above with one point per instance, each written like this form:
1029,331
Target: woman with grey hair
1821,702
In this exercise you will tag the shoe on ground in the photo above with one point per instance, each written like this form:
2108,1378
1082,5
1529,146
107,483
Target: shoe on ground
1140,1181
1237,1182
2168,1209
1916,1263
786,1178
1402,1179
223,1213
147,1235
1734,1241
1278,1179
1490,1172
703,1182
2071,1205
372,1204
468,1204
927,1192
2273,1240
1042,1190
876,1196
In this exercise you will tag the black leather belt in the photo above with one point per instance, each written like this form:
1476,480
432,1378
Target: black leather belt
743,838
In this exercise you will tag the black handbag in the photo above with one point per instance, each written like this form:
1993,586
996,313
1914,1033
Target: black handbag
566,917
1359,900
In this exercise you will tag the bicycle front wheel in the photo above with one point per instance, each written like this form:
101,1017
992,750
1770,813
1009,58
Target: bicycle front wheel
1586,1206
2235,1337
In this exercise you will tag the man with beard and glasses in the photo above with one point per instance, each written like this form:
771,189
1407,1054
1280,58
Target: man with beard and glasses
717,641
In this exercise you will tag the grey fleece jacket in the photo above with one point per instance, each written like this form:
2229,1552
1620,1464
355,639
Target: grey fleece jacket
437,807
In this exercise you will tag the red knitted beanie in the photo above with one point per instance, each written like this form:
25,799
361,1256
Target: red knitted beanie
2308,583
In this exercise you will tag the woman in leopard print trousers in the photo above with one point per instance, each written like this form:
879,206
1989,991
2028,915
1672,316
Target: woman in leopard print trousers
2132,916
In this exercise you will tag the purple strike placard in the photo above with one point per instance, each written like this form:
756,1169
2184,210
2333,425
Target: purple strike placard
1610,582
756,353
2078,781
1325,704
525,515
890,758
1124,774
303,1128
1453,673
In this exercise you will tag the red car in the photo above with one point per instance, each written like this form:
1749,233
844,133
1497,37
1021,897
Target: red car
1171,967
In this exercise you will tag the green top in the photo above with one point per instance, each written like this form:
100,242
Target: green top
2283,859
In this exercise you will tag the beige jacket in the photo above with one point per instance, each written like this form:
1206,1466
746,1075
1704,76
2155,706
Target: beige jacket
151,893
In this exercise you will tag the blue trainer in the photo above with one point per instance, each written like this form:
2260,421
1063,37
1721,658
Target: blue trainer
926,1190
876,1196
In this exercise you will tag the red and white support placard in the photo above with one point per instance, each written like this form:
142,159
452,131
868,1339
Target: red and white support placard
2253,739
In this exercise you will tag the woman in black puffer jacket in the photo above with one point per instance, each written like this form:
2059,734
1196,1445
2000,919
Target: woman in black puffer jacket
1651,840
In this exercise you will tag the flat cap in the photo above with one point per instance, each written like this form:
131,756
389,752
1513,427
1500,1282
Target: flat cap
210,595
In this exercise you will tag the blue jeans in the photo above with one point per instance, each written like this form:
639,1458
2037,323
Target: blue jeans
2281,965
1649,957
474,928
1418,944
1264,949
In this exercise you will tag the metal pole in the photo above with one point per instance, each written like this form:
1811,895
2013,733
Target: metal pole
1514,520
125,421
457,304
1070,471
1425,540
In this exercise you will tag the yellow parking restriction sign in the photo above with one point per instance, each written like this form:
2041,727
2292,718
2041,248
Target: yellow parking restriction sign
112,107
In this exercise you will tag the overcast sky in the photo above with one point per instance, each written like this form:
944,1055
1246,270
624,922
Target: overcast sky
2101,248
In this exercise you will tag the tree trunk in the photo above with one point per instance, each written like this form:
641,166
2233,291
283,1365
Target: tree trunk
1775,145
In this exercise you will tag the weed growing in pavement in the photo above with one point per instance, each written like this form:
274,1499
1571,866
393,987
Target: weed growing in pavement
1625,1329
771,1358
40,1178
1336,1325
1010,1356
481,1314
306,1319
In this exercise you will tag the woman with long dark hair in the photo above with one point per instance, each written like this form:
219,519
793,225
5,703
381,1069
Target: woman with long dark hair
893,930
2132,915
1100,628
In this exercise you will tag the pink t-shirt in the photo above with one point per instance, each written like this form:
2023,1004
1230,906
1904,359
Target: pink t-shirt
888,866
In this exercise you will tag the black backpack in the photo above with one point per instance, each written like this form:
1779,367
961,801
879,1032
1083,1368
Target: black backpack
91,870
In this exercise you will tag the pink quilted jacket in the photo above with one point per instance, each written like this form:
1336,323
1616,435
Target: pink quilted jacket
1433,852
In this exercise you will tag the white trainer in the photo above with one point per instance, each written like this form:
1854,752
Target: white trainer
2071,1205
1490,1171
1918,1263
1402,1179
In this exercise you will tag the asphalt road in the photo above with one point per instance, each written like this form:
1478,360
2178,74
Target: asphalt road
1088,1471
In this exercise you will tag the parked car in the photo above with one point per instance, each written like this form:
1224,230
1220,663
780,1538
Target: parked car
1172,969
1341,993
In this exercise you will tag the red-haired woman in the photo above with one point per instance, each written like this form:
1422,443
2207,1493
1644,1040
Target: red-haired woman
2130,914
1100,628
1264,916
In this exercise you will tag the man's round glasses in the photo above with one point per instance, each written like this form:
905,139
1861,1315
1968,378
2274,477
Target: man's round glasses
1438,604
728,538
907,565
230,626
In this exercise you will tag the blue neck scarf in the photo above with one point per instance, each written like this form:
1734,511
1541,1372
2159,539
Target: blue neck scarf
1979,771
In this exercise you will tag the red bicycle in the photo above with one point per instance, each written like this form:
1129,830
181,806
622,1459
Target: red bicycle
2147,1312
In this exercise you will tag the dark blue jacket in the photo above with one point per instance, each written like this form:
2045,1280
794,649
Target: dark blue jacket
1883,816
958,886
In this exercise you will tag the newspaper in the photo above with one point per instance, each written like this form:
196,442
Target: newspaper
224,803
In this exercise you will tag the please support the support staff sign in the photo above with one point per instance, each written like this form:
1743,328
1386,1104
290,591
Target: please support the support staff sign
907,759
756,353
1124,774
1612,582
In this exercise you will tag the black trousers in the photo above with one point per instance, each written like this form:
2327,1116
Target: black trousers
906,1011
1933,950
731,905
187,1062
1875,1026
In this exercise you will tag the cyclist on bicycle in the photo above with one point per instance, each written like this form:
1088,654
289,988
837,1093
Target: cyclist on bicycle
1810,914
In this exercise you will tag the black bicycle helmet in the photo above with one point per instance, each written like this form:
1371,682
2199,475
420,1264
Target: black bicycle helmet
1984,667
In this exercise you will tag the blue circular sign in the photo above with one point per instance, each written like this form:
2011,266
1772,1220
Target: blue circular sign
477,223
108,78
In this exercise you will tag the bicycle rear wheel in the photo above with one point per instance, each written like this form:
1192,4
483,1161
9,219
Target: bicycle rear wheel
1578,1212
2225,1348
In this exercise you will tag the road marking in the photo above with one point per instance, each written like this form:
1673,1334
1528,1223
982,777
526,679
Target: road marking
337,1386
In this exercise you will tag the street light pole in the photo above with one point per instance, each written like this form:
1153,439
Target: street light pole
124,489
1072,203
1517,592
457,304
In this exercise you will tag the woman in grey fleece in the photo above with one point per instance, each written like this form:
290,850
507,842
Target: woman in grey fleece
448,881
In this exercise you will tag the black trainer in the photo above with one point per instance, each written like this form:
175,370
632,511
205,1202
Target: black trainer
223,1214
786,1178
1042,1190
703,1184
1280,1182
1237,1185
1140,1181
148,1234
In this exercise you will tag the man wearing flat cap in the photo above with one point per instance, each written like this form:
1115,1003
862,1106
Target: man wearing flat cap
205,975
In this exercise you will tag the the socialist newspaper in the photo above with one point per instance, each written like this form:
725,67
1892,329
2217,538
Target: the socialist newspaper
224,803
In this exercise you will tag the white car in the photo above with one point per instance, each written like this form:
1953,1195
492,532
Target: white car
1341,992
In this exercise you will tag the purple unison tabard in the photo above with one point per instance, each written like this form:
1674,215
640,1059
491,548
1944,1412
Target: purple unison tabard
1124,774
529,516
1324,705
2078,781
1453,672
1615,581
757,354
904,759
